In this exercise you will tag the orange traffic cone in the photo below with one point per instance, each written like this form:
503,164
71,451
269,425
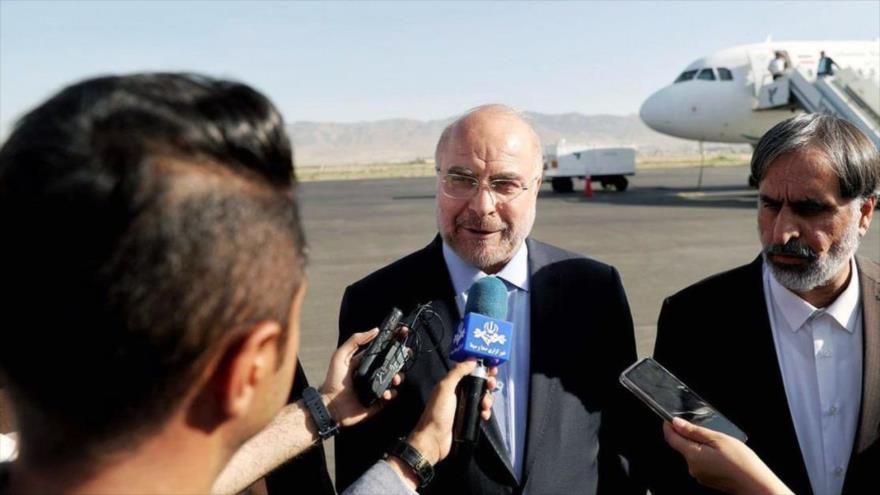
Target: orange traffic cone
588,187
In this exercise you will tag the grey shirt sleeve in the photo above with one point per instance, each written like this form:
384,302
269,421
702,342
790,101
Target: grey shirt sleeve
379,479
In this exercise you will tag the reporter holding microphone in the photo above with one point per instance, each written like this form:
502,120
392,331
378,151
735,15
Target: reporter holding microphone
295,429
433,436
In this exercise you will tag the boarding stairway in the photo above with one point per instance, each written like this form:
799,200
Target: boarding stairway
845,94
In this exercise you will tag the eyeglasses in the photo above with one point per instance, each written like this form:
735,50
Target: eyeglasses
457,186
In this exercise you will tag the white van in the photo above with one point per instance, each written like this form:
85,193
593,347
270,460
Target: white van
609,166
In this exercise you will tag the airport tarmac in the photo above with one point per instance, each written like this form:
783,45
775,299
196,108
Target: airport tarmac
662,234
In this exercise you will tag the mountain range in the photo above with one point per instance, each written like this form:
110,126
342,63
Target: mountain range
408,140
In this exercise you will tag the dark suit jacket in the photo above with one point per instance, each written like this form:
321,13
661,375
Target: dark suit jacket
715,336
581,339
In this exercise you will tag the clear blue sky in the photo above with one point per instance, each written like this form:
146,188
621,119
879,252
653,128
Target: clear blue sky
342,61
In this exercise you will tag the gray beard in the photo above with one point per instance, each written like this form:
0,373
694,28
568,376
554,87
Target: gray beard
820,271
476,254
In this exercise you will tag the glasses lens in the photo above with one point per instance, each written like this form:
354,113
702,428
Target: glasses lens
506,190
459,186
464,187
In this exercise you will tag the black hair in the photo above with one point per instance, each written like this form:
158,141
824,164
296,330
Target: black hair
853,157
147,220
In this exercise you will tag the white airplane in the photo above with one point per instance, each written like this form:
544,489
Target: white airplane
719,97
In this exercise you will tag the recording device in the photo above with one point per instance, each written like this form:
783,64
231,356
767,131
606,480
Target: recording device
384,357
485,335
670,398
389,352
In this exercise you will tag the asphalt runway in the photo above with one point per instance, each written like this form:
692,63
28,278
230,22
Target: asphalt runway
662,234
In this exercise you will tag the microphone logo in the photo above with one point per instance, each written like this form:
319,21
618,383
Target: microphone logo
489,334
481,337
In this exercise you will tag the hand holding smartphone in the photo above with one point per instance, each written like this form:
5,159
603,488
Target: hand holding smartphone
669,397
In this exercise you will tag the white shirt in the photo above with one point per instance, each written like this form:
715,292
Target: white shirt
820,356
777,66
512,399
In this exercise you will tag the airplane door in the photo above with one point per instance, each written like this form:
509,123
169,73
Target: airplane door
759,59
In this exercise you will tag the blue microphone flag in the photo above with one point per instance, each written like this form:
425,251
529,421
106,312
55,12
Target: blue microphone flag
484,333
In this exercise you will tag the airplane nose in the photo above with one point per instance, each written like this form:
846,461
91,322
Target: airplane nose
655,112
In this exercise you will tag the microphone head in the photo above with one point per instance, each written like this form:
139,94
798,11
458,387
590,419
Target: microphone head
483,332
488,297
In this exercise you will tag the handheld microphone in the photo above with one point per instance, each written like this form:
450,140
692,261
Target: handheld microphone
485,335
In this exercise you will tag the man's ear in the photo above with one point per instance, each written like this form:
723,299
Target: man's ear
866,212
249,362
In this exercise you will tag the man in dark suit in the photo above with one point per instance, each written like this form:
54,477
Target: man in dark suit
788,346
573,330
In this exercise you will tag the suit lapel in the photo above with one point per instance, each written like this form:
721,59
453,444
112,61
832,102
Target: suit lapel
492,433
441,296
542,390
869,421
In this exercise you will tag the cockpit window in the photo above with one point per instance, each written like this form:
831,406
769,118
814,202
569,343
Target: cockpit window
706,75
725,74
686,76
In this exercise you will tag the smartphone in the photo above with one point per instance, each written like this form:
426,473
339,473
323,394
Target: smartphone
669,397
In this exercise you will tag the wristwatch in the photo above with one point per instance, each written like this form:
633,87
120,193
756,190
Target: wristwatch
413,458
327,427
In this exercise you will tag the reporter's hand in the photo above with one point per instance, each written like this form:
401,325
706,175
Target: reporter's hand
432,435
338,388
720,461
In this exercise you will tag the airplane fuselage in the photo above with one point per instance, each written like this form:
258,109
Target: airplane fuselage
715,97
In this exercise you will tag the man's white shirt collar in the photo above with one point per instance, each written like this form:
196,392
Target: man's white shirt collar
463,274
797,311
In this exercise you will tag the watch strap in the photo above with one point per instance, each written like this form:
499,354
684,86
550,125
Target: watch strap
327,427
423,469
